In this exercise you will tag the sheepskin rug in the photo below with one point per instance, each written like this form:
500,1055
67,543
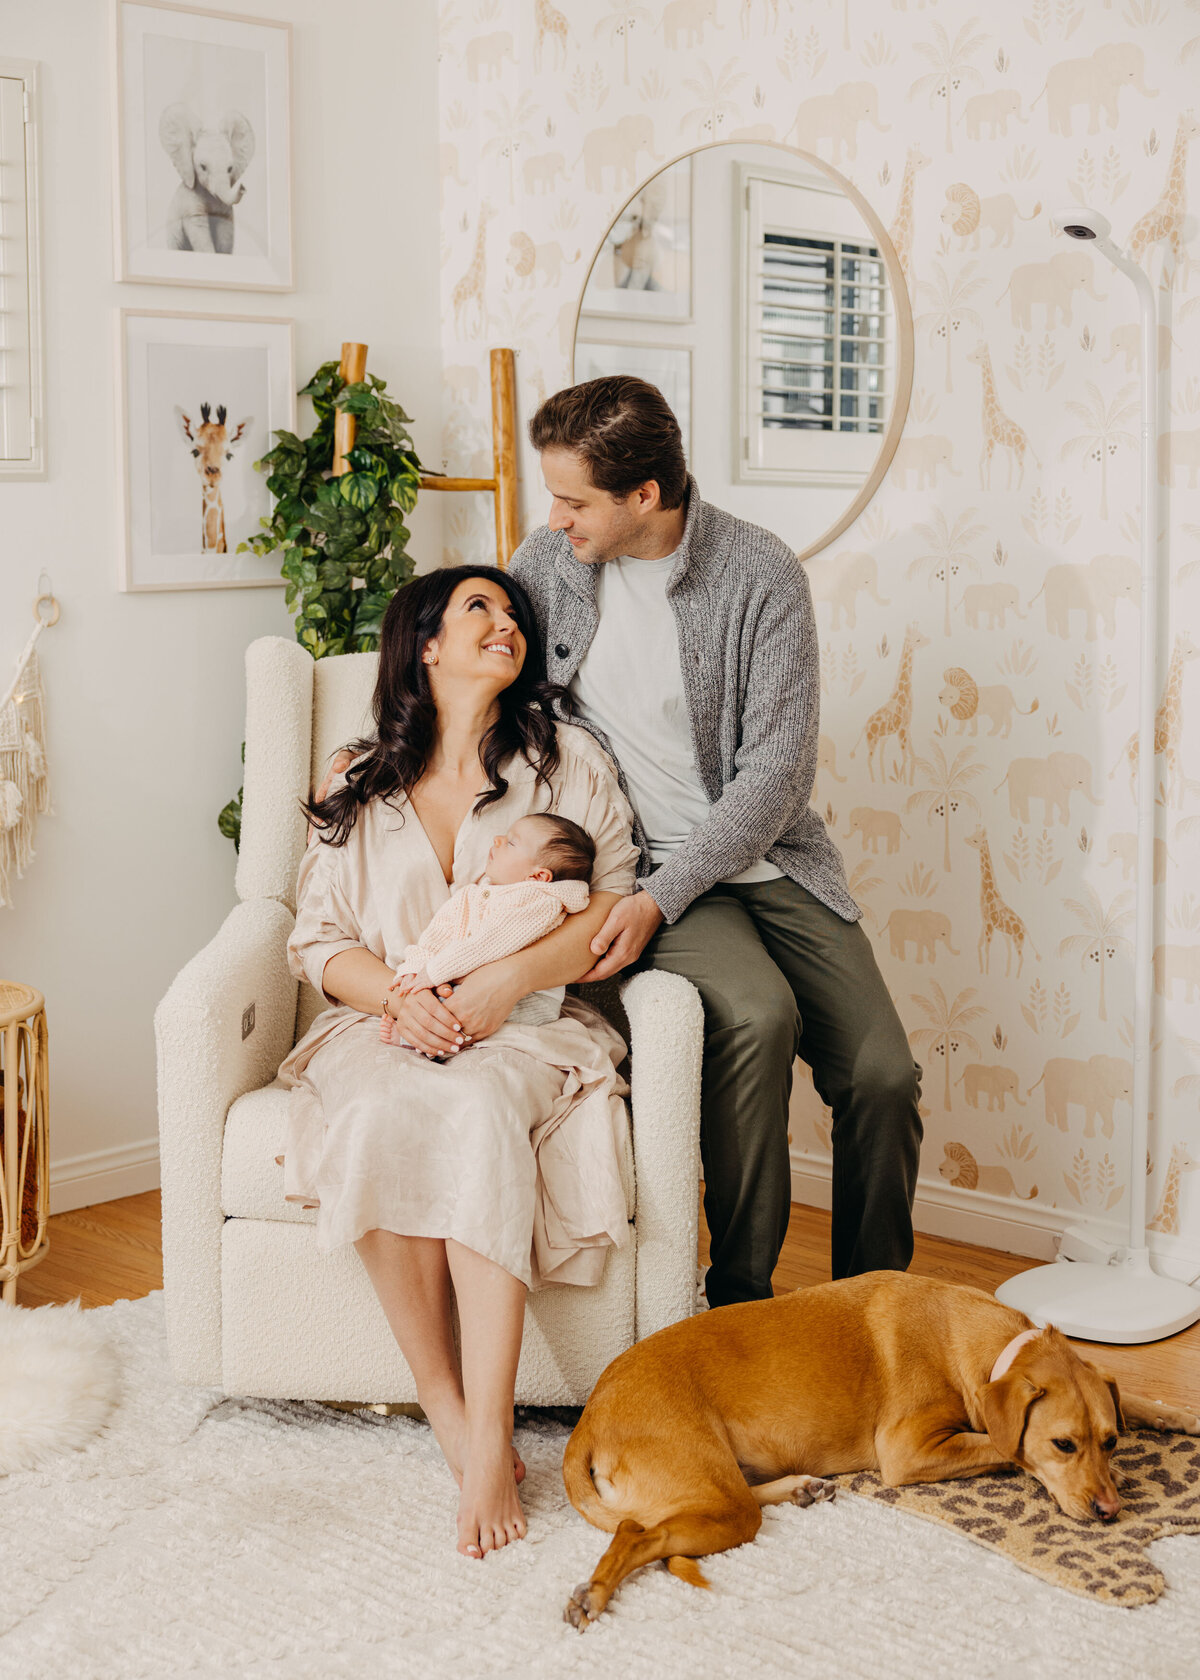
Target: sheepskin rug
60,1378
197,1535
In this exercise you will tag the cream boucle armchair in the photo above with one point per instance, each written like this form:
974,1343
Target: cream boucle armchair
251,1306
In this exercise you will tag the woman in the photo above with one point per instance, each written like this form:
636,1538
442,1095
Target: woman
496,1166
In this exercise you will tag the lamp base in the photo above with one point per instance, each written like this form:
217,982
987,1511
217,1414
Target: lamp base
1125,1303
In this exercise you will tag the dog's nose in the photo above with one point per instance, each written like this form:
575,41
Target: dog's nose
1106,1509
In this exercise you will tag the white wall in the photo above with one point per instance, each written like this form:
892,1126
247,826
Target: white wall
146,692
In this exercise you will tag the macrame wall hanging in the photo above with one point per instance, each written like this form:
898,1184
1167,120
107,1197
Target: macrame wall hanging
24,782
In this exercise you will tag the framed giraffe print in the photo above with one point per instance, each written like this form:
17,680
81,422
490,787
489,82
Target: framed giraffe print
199,396
203,166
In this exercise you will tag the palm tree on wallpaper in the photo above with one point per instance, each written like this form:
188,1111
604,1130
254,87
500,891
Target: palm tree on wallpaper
713,92
946,1035
511,135
620,25
951,68
948,298
1103,934
947,790
947,553
1103,432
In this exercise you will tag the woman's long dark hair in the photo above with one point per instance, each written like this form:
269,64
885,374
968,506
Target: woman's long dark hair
406,716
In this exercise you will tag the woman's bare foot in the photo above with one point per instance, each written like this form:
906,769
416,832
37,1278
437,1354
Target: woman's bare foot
489,1512
448,1419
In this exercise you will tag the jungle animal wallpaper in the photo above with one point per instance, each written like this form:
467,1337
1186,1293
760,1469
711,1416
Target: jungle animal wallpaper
979,621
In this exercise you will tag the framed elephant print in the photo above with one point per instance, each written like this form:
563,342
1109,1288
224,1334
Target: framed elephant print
643,269
200,396
203,148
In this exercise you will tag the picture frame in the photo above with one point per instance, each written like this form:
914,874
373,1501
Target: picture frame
643,268
203,147
668,366
199,397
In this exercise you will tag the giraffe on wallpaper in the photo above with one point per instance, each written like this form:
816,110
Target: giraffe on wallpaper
998,917
1165,219
901,231
552,26
999,432
1168,723
1166,1219
471,288
894,717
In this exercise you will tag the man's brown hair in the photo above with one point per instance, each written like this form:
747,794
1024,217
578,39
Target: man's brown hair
622,429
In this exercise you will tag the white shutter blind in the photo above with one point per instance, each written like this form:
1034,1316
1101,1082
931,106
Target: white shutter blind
817,357
20,345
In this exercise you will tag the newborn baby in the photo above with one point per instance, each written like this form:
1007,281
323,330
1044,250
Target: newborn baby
537,875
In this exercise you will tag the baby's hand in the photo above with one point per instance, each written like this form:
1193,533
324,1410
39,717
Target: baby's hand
414,983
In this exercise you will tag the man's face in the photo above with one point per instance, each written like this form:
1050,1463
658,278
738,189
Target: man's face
599,526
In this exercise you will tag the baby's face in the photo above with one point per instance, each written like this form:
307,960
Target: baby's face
516,856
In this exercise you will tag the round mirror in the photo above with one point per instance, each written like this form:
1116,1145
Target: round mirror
758,290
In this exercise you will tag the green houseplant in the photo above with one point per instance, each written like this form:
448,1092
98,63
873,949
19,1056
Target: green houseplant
344,539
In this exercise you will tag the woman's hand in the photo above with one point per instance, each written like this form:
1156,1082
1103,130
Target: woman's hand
427,1023
483,1001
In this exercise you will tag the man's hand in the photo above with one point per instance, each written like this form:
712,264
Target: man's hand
632,923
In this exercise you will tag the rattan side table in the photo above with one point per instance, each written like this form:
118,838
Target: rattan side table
24,1133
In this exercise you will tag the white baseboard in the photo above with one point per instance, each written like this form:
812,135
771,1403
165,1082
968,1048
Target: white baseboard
974,1216
104,1175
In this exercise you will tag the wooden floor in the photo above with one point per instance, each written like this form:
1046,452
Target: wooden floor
113,1251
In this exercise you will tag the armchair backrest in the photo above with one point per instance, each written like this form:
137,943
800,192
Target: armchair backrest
298,712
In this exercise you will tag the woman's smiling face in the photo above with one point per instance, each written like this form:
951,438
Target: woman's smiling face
479,639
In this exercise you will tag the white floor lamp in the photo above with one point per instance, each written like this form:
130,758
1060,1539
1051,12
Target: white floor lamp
1127,1301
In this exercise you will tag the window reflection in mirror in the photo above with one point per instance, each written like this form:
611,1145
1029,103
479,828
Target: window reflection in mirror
752,285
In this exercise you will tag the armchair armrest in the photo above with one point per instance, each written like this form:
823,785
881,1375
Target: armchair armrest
666,1024
206,1060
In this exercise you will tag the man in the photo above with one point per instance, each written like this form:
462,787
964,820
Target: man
688,642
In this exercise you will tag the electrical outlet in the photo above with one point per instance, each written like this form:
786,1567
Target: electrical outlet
247,1021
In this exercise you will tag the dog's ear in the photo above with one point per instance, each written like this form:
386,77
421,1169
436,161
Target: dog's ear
1005,1405
1116,1395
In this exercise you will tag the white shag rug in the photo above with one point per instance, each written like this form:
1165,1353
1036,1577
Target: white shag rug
202,1536
60,1378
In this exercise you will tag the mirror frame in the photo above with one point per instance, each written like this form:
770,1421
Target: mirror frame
904,320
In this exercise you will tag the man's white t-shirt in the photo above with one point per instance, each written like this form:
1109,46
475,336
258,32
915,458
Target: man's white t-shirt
630,686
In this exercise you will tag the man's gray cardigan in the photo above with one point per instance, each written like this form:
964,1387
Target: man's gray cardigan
749,657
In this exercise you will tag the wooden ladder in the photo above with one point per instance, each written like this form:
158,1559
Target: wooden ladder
502,484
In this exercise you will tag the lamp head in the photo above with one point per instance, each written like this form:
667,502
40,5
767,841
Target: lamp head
1079,223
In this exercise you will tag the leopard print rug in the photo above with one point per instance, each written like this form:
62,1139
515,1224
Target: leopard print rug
1013,1514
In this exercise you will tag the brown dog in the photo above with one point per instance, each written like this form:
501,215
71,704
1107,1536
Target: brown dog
690,1433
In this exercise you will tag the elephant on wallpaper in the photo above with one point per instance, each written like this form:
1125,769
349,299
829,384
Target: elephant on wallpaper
997,600
923,928
874,826
992,110
618,149
1052,780
924,456
835,117
1177,965
1095,82
1092,589
1095,1086
210,161
836,581
1179,453
995,1083
1051,284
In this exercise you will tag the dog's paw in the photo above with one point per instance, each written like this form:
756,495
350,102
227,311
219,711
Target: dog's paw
809,1490
581,1610
1175,1420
